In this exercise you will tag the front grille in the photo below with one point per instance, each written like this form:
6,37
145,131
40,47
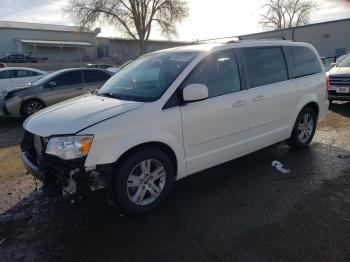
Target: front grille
339,81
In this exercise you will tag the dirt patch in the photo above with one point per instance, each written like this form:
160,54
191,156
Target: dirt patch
15,184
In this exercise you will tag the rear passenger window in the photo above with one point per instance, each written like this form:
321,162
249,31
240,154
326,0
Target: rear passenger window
218,72
95,76
23,73
302,61
264,66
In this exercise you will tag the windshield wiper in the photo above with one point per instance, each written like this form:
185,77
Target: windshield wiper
111,95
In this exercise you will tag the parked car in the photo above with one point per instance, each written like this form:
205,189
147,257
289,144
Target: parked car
18,58
175,112
51,89
340,58
339,77
2,65
15,76
328,62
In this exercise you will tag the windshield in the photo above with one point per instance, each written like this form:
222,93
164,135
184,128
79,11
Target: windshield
148,77
345,62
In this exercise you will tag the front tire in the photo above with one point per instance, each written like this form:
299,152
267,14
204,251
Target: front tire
144,181
30,107
304,129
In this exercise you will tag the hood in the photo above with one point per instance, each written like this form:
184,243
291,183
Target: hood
340,71
73,115
17,88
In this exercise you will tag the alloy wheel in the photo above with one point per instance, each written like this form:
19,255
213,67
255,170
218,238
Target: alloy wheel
33,107
146,182
305,128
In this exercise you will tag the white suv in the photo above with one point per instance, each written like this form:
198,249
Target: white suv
175,112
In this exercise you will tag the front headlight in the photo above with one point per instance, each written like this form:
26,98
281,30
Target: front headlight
69,147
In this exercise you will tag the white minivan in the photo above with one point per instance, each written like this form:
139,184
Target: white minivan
175,112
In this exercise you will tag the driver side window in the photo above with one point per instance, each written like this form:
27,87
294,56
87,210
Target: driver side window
219,72
69,78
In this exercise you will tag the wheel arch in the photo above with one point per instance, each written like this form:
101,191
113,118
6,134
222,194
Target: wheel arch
314,106
154,144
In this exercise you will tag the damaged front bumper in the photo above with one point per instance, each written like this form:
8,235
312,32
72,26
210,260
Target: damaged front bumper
69,176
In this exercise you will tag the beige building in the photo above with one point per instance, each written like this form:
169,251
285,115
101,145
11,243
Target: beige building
56,43
330,38
121,50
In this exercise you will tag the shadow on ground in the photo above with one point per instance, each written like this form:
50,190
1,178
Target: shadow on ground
11,132
243,210
342,108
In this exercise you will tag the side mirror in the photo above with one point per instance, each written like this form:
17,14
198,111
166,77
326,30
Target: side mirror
52,84
195,92
332,64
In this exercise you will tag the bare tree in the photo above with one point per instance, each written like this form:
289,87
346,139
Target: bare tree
286,13
135,18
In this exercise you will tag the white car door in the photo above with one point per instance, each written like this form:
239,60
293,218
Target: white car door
216,129
272,95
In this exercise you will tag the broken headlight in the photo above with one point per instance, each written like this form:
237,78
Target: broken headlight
69,147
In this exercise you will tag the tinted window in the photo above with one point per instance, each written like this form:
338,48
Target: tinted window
264,66
6,74
302,61
95,76
218,72
69,78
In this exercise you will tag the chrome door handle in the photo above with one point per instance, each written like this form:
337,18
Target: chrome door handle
239,103
258,98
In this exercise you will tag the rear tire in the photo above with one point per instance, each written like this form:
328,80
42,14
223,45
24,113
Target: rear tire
30,107
304,129
144,181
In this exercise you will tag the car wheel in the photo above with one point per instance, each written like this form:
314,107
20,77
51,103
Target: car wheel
144,181
304,128
30,107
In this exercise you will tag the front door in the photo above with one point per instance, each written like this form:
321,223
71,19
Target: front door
215,129
65,86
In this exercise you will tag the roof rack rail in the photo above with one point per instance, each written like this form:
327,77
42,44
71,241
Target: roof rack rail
237,39
221,40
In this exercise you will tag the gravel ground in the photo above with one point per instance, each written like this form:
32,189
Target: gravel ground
244,210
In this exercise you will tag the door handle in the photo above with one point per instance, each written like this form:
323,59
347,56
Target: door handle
258,98
239,103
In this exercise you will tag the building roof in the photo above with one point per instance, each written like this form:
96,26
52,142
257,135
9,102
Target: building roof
55,43
45,27
301,26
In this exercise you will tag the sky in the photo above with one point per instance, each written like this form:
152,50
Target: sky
206,20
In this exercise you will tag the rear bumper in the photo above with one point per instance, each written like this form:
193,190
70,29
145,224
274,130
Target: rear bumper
340,98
